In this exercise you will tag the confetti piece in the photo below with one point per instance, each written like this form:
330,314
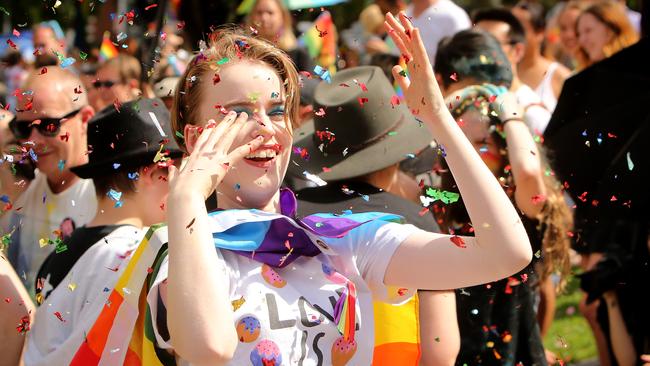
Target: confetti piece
72,286
362,101
454,77
403,73
121,36
59,316
236,304
116,166
630,163
43,71
83,55
223,61
61,165
538,198
179,135
67,62
458,241
16,33
215,79
394,100
150,6
191,223
12,44
444,196
392,133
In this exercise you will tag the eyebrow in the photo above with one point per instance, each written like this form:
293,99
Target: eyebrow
247,102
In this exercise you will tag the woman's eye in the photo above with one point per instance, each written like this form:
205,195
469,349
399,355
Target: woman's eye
242,109
277,112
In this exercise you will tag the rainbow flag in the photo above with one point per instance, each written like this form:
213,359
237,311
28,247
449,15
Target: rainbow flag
122,334
320,41
107,50
397,334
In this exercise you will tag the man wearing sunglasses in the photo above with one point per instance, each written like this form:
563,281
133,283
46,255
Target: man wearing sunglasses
51,128
118,79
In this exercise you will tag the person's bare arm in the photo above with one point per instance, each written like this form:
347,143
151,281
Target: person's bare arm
546,310
557,81
16,306
199,312
526,168
622,344
439,334
432,261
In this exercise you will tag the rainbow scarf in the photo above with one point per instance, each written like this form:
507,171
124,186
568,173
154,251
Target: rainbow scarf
320,41
123,332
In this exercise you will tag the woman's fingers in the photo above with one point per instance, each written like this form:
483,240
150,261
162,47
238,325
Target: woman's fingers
239,153
398,33
231,133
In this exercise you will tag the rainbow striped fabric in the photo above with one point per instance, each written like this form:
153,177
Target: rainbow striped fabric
107,50
320,41
123,332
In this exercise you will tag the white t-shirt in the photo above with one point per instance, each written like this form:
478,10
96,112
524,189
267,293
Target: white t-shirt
536,115
285,314
41,214
79,299
440,20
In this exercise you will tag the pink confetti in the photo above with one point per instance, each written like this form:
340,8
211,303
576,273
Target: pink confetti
394,100
362,101
16,33
458,241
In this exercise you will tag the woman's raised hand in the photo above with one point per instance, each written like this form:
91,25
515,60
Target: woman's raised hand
502,102
420,87
211,158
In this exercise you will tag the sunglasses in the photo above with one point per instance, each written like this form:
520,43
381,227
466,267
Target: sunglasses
105,83
49,127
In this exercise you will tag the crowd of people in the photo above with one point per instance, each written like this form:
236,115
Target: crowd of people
397,197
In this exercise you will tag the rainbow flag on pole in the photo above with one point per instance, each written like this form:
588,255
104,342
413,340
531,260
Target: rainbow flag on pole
107,50
320,41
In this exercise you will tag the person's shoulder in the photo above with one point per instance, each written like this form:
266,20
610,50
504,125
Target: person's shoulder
453,9
526,95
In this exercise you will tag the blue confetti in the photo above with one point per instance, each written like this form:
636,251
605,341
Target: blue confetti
584,133
133,176
4,198
365,197
237,186
33,155
116,165
323,74
114,195
61,165
410,156
67,62
118,204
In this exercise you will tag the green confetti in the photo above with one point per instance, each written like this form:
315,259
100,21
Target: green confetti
179,135
83,55
4,11
60,247
444,196
223,61
392,133
403,73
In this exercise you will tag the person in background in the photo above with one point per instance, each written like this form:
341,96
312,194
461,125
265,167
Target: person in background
165,88
505,27
56,201
15,174
273,22
603,29
130,199
437,19
370,180
544,76
117,81
15,72
49,43
506,307
391,6
16,315
566,20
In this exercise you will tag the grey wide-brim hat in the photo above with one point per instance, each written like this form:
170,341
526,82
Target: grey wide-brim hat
358,127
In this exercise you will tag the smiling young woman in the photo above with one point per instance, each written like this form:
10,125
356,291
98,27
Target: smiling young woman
280,289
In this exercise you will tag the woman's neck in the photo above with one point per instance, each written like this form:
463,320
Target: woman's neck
227,203
127,214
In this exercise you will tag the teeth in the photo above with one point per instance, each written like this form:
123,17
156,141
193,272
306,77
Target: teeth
267,153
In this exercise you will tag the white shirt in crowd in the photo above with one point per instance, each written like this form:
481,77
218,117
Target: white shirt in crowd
285,315
62,322
37,213
442,19
536,115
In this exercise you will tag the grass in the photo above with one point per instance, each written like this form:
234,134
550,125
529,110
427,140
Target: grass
570,336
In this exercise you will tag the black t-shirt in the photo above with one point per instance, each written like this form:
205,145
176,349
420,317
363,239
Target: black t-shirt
357,196
57,265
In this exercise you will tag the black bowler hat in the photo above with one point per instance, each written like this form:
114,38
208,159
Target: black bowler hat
362,127
128,138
